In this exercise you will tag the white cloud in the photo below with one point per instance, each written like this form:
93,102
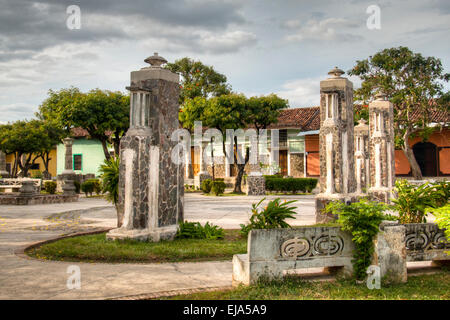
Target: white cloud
326,29
301,92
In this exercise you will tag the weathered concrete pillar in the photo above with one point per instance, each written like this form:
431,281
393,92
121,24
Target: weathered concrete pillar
361,157
68,160
337,173
3,172
390,252
381,148
151,185
203,174
256,183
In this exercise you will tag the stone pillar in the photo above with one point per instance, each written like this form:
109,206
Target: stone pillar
203,173
68,159
337,173
381,148
3,172
361,157
256,183
151,185
390,252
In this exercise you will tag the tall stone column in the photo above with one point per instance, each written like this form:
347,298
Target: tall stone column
68,159
256,183
381,148
337,173
151,185
203,173
3,172
362,157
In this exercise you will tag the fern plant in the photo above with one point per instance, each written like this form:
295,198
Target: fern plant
110,177
194,230
273,216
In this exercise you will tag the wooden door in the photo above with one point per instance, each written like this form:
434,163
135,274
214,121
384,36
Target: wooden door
283,162
195,160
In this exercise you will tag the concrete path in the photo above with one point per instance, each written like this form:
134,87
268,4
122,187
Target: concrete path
22,278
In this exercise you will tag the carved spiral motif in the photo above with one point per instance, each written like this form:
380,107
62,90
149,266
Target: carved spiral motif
439,241
328,245
417,241
294,248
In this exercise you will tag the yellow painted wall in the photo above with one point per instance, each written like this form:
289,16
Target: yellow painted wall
51,164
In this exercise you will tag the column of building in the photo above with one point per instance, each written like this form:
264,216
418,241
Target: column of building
361,157
337,174
381,148
151,185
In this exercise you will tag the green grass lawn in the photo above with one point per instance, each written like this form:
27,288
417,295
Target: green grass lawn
424,287
95,248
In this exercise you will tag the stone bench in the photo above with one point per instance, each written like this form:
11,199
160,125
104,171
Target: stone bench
425,241
14,185
273,251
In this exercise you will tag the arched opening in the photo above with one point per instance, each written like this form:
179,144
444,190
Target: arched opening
426,157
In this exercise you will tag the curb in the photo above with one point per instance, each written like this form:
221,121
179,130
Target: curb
170,293
20,252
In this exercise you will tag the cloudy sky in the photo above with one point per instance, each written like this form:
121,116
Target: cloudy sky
262,46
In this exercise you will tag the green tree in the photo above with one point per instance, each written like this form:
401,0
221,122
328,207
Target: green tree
24,139
198,80
235,111
413,83
103,114
51,137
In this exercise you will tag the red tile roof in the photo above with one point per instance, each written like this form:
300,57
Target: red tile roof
305,119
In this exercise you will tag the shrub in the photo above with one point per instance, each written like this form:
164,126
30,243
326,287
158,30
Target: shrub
36,175
206,185
87,187
110,176
218,187
290,184
50,187
412,201
271,217
97,185
442,215
362,220
77,186
194,230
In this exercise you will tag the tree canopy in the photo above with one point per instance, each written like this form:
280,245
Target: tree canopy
103,114
413,83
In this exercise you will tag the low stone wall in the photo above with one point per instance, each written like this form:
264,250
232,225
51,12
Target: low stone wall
425,241
17,199
272,251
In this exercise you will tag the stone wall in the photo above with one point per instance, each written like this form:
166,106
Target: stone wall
297,165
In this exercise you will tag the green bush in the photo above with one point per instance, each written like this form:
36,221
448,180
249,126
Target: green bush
218,187
362,220
442,215
87,187
110,177
50,187
77,186
271,217
194,230
97,185
413,201
206,185
36,175
290,184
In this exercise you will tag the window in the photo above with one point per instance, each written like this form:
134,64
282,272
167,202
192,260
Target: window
35,166
77,162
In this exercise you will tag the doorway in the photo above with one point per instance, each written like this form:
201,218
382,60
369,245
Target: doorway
426,157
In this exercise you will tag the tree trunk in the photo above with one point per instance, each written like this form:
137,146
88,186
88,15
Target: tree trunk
238,181
105,150
46,159
415,169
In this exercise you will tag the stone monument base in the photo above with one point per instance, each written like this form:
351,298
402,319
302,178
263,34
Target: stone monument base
256,185
202,176
380,194
146,235
322,199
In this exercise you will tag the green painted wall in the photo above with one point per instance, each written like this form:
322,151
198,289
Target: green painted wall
91,154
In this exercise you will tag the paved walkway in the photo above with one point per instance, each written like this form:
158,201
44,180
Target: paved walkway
22,278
